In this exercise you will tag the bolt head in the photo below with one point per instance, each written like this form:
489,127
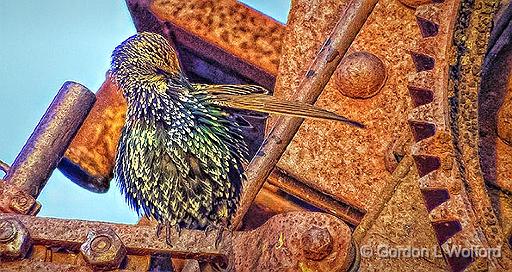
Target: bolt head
14,239
317,243
22,203
103,249
7,231
360,75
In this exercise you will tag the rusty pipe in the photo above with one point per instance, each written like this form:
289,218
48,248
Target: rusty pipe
311,86
51,137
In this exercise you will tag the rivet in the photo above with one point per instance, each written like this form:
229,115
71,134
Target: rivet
360,75
317,243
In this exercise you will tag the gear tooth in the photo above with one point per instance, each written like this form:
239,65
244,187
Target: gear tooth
423,80
426,164
422,130
434,153
434,197
422,61
420,96
427,17
421,87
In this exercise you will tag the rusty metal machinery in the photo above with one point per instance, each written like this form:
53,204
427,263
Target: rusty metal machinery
432,80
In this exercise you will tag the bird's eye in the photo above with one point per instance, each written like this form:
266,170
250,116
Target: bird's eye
161,72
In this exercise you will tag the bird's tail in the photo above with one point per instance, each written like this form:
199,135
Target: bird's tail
256,98
270,104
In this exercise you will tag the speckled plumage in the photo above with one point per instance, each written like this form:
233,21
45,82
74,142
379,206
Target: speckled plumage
181,155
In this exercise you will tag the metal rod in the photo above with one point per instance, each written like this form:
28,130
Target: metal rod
343,210
4,167
318,75
51,137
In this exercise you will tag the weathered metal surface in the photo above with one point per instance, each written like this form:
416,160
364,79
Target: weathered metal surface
360,75
388,239
50,139
311,86
14,240
31,266
278,244
317,243
61,257
138,240
447,143
13,200
233,27
495,106
345,163
103,250
89,160
349,213
281,241
272,200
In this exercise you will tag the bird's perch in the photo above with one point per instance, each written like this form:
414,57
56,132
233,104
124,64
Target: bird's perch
318,75
52,136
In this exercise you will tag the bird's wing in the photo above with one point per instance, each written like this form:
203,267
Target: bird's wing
227,89
271,104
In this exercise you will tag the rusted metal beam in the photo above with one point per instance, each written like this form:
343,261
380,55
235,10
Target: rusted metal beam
50,139
291,241
89,160
138,240
311,86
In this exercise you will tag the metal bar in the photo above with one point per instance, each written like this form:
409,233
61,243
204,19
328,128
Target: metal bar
138,240
403,169
51,137
346,212
4,167
311,86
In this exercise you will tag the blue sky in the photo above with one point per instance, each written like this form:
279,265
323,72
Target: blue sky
45,43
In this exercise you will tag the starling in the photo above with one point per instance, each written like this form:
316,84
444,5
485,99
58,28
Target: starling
181,153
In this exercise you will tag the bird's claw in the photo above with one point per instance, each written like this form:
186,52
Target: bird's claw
168,234
159,228
220,236
208,230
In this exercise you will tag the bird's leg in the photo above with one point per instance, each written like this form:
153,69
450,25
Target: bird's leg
159,228
218,238
178,230
168,239
208,230
168,235
220,228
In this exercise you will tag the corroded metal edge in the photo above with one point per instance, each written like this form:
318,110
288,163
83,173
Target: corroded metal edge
446,131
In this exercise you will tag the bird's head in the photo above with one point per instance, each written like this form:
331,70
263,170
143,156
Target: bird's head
144,58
